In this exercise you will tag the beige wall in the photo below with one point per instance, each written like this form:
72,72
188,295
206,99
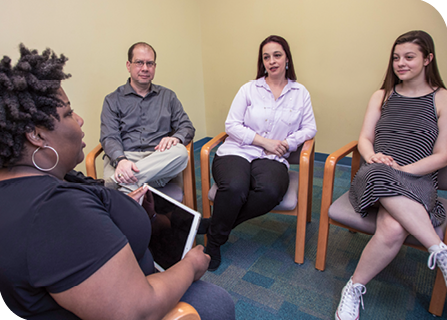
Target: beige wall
340,51
207,49
95,35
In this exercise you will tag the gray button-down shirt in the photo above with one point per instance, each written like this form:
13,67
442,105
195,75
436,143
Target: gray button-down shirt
130,122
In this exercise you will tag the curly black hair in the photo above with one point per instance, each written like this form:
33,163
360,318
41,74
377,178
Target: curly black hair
28,98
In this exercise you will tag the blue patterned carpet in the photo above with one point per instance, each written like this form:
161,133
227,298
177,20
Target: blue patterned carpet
259,272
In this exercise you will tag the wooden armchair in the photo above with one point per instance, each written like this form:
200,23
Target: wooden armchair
182,311
182,188
298,199
342,214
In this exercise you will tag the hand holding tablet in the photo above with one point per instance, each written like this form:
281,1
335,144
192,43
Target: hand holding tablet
173,230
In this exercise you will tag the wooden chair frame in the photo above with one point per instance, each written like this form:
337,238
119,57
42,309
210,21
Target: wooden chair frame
182,311
303,209
439,288
189,178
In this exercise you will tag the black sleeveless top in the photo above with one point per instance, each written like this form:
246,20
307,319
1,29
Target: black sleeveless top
407,131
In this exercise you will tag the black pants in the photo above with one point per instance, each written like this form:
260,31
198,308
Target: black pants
245,191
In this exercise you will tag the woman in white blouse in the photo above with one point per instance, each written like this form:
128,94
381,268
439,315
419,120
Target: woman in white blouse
269,118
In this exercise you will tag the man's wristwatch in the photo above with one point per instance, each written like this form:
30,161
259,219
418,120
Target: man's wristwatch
117,160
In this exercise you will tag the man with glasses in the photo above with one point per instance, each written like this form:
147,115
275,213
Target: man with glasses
144,128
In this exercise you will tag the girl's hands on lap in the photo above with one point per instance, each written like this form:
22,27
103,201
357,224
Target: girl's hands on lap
381,158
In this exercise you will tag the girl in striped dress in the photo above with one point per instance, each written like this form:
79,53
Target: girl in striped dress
404,142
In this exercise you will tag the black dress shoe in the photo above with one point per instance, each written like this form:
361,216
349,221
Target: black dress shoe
204,225
214,253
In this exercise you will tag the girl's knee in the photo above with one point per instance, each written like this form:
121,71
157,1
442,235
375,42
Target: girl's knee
391,232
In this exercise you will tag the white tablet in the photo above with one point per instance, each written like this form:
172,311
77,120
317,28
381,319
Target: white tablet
173,230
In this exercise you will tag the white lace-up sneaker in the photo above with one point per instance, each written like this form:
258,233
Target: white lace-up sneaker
439,257
351,297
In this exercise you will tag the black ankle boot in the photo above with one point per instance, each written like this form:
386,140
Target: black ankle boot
214,252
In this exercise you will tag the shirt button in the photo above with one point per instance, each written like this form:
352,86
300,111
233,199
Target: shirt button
266,119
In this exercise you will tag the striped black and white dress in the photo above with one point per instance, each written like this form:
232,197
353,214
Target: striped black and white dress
407,131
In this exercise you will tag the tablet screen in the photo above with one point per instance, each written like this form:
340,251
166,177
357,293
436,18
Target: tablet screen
173,230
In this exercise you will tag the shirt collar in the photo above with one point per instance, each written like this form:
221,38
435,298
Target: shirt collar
291,84
129,90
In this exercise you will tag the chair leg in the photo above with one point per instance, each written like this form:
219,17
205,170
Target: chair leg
323,234
438,295
300,236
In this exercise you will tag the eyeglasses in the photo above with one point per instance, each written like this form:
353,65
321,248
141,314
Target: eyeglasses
140,63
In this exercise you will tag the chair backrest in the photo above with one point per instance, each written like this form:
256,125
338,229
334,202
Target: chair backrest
442,179
294,157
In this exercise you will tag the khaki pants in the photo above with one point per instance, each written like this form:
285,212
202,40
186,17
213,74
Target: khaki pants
156,168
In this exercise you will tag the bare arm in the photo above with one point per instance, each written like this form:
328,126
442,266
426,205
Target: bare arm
367,134
119,289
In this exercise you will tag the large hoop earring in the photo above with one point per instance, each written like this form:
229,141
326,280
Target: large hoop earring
41,169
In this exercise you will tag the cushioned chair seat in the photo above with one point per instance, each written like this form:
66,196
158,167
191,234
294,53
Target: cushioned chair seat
174,188
342,211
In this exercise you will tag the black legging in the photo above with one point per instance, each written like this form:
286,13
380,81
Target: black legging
245,191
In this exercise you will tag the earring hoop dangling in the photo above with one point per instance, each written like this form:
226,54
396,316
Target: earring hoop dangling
287,66
42,169
265,71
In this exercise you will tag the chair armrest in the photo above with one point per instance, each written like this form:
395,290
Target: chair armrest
306,152
205,170
329,171
189,179
307,156
205,159
182,311
90,161
327,194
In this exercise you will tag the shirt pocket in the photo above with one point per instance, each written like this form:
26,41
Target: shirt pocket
291,117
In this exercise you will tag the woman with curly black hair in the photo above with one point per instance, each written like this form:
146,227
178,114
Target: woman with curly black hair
76,250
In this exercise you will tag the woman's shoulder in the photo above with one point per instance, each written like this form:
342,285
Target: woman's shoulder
377,99
252,87
256,82
379,94
442,94
48,188
441,101
297,85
